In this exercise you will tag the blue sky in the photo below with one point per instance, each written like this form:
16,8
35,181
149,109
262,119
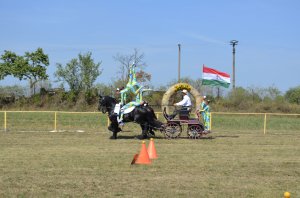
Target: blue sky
268,34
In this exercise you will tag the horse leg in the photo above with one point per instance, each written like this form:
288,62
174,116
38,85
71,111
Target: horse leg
113,130
113,127
151,132
114,136
144,131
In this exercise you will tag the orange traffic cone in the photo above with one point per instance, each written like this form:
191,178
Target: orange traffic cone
152,150
143,157
134,158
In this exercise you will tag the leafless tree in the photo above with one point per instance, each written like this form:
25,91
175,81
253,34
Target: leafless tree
126,60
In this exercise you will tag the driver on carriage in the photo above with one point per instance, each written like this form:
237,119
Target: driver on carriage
185,104
134,87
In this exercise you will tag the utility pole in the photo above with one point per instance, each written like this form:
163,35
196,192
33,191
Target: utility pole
179,54
233,43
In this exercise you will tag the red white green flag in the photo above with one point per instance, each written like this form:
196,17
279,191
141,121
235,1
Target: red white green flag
215,78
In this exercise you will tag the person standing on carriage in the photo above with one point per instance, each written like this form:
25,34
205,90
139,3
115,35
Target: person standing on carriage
202,106
205,112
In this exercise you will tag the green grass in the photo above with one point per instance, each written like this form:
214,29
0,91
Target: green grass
96,121
282,124
45,121
239,163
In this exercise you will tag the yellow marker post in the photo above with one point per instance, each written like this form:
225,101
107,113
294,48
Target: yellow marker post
55,120
265,124
4,120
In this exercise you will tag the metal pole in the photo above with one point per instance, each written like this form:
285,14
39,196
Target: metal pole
233,67
179,54
233,43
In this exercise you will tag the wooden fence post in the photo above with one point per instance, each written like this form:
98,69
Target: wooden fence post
55,122
265,123
5,127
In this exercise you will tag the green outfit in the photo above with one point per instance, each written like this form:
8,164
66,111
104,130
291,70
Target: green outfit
203,105
134,87
206,117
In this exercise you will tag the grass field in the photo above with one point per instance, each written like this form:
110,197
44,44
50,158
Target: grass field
96,121
229,163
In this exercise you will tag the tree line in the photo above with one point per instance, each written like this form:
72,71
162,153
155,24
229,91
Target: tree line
79,75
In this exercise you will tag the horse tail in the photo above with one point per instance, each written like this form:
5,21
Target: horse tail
152,119
156,124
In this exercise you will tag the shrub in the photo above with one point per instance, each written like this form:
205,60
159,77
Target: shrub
293,95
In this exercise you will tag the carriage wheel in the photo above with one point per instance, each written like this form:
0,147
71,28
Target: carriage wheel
194,131
173,130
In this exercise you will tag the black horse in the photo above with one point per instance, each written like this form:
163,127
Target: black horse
143,115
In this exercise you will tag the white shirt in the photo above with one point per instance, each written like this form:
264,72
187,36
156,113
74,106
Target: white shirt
185,102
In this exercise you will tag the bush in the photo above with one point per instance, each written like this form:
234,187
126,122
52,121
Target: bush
293,95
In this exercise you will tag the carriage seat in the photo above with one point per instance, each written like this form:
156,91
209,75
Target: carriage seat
184,114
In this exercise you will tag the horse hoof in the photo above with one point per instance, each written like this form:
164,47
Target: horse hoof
141,137
113,137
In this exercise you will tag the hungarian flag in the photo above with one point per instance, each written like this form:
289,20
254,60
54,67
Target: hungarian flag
215,78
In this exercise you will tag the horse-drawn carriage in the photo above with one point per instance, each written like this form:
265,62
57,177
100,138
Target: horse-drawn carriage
174,127
144,115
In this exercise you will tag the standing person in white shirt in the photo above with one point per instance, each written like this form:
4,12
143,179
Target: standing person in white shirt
185,103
